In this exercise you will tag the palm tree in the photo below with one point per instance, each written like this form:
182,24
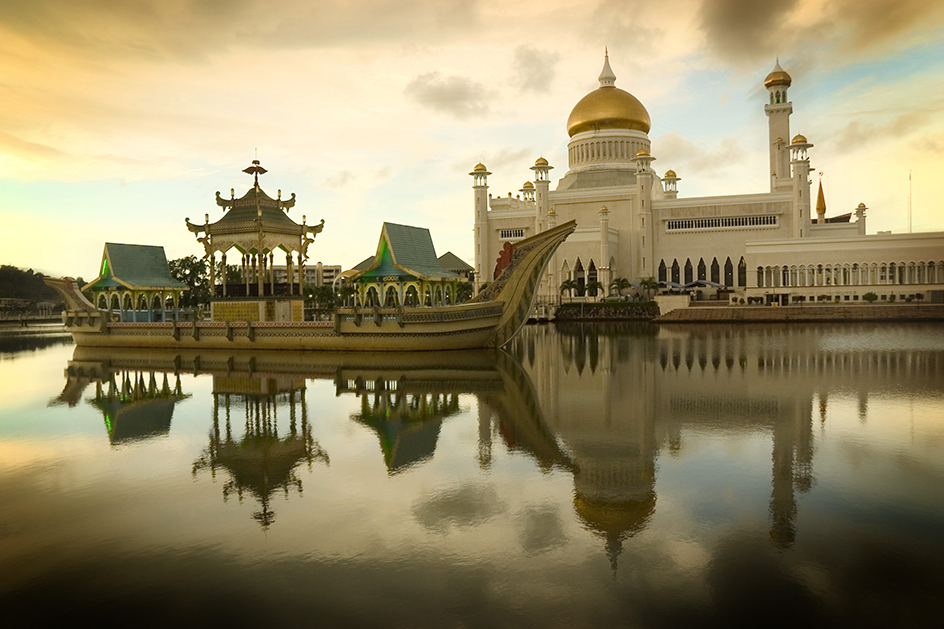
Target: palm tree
648,284
619,284
594,288
569,285
346,291
464,292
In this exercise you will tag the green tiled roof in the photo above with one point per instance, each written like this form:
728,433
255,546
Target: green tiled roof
134,266
244,210
404,251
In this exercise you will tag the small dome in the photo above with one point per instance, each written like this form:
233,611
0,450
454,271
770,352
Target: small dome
527,185
540,162
799,139
480,167
862,205
777,76
642,153
670,173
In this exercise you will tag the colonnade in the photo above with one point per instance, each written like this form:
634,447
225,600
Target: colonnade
866,274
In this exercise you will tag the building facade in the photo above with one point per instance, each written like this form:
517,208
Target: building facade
633,224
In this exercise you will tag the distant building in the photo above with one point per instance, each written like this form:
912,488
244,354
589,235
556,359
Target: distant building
631,222
317,275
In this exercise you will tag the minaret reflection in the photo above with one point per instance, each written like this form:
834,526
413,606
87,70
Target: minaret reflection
262,460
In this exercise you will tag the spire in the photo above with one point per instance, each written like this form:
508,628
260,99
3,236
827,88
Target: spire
607,78
255,170
820,200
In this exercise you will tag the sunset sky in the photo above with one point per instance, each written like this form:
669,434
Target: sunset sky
118,120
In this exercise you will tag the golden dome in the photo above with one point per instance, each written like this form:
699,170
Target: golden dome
629,516
862,205
608,107
670,173
642,153
777,76
479,167
799,139
527,185
540,162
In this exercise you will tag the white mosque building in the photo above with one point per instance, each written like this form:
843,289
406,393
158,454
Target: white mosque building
631,223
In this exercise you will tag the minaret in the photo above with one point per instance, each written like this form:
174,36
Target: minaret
544,219
801,186
604,265
480,229
778,113
670,181
642,261
860,218
820,206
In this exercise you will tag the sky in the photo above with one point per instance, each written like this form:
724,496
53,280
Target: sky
119,120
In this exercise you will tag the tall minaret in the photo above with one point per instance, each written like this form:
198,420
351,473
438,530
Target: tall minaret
480,190
542,182
642,260
801,187
778,114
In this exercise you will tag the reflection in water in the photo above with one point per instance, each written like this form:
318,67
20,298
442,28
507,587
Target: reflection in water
646,477
260,461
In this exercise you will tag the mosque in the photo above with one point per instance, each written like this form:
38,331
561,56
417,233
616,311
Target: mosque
633,224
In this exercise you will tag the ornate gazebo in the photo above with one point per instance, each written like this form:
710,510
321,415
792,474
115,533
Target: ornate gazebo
256,225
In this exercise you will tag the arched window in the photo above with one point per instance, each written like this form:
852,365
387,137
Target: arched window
715,271
411,299
142,302
675,271
115,302
702,269
688,270
565,271
391,298
580,277
742,272
662,271
372,299
437,295
760,277
102,302
592,279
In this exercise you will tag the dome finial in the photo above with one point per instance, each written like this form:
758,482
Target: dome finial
607,78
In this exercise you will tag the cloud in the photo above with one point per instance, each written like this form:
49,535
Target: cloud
681,154
859,133
454,95
624,24
835,31
738,30
12,145
535,69
462,506
188,30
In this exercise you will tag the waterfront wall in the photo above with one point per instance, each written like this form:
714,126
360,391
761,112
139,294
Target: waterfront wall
602,311
767,314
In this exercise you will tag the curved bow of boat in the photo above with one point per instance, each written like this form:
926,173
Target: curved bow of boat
79,310
518,284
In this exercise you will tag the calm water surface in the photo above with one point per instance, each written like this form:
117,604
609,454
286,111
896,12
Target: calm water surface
590,476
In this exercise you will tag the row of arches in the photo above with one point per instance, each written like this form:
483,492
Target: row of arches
595,150
408,295
778,97
139,305
587,278
866,274
726,274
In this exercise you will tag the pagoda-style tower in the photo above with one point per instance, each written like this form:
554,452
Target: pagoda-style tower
256,225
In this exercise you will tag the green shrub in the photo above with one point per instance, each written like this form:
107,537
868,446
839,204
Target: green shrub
870,297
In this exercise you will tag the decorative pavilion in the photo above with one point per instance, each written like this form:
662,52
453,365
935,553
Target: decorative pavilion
256,225
135,284
405,271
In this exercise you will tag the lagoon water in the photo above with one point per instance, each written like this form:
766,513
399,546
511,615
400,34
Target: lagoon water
589,476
